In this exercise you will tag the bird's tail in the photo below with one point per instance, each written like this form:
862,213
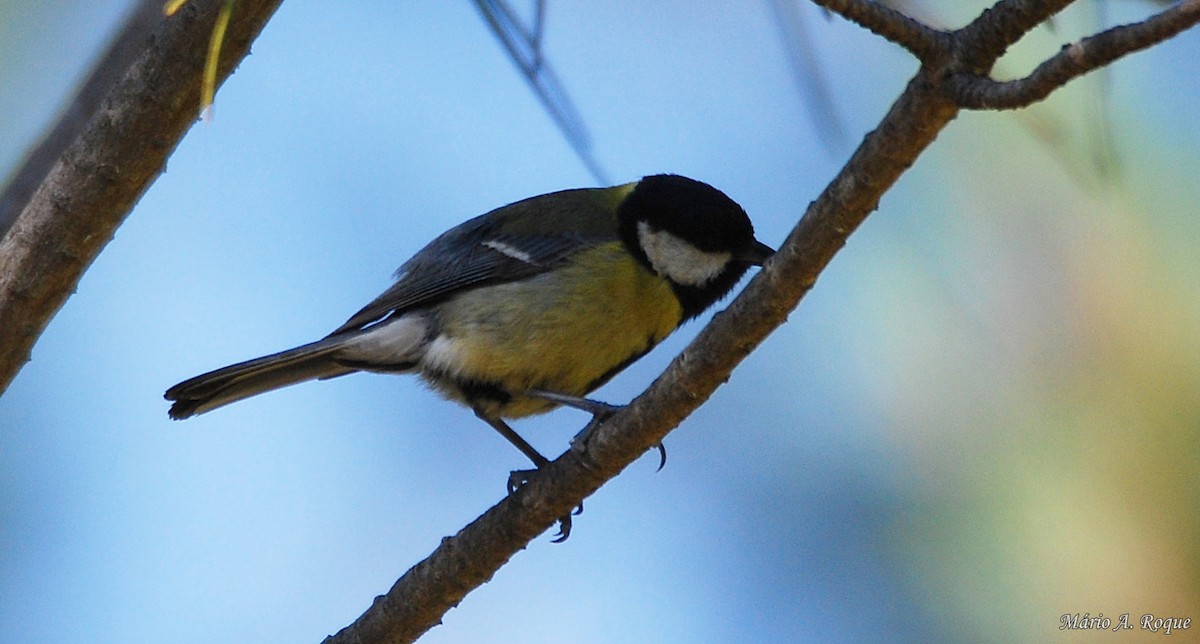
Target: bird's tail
236,382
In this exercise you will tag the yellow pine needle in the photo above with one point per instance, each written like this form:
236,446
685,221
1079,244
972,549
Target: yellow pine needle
172,6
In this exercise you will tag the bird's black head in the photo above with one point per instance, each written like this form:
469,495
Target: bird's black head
692,234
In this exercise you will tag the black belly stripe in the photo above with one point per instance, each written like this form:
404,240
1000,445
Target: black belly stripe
477,391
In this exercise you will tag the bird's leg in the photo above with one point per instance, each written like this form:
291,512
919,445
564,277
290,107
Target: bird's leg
600,412
513,437
517,478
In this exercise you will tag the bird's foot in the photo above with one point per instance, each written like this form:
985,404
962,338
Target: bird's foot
518,478
579,444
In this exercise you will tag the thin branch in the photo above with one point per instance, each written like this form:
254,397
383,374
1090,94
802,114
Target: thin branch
982,42
524,48
110,162
976,92
925,42
807,72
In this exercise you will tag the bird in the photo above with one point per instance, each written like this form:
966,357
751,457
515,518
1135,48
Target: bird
528,307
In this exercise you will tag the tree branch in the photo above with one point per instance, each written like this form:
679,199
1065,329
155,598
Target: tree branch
124,144
982,42
925,42
972,91
108,162
122,51
417,601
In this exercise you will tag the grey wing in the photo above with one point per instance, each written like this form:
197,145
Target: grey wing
466,259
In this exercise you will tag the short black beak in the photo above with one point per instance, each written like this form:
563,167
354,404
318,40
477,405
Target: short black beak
756,253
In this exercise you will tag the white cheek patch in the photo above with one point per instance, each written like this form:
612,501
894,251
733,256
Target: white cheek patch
678,260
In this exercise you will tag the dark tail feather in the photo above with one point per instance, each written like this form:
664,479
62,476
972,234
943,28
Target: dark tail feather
235,382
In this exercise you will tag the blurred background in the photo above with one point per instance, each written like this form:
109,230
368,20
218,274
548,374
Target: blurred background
983,417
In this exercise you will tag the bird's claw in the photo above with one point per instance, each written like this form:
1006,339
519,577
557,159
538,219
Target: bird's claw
564,525
564,529
579,443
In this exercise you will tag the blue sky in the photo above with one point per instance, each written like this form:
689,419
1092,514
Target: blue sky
828,492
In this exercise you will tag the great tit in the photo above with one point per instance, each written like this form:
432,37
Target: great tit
527,307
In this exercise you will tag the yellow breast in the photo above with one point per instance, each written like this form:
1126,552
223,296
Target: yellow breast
566,331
